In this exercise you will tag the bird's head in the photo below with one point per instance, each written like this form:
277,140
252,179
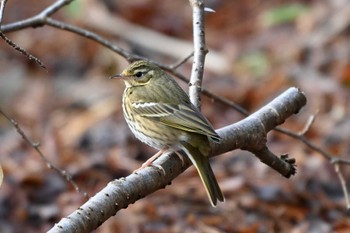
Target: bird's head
139,73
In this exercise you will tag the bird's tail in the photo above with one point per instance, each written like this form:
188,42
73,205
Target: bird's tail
206,174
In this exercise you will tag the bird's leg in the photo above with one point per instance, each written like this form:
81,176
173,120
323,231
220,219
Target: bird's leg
151,160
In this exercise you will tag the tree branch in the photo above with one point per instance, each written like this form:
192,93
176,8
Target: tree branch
343,185
200,50
91,35
2,9
37,20
36,146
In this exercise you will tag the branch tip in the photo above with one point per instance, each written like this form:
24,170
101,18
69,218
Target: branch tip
210,10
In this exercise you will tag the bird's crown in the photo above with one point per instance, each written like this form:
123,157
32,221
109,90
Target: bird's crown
141,71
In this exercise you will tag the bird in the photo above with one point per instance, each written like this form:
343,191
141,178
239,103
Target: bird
160,114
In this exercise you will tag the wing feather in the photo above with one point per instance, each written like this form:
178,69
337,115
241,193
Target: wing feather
181,116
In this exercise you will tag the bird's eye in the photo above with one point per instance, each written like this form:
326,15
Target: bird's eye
139,74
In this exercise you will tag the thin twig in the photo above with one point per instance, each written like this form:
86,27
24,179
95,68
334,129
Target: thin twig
308,124
1,175
181,62
331,158
22,51
305,141
301,137
36,145
225,101
37,20
50,10
343,185
200,50
91,35
13,44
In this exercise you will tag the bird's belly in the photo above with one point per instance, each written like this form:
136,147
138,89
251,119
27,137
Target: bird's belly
154,134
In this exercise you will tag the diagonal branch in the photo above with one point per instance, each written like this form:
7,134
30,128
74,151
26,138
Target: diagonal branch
22,50
91,35
37,20
36,146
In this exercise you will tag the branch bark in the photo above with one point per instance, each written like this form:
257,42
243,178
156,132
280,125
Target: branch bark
248,134
37,20
2,9
200,50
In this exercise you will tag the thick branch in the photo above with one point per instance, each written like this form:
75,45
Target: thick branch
253,129
249,134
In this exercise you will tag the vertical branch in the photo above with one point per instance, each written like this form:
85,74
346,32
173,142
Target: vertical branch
2,9
200,50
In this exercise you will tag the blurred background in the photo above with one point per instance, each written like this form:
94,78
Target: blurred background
257,50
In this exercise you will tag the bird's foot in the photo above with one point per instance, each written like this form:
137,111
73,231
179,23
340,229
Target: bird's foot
150,161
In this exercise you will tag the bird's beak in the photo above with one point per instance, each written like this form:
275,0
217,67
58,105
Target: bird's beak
117,76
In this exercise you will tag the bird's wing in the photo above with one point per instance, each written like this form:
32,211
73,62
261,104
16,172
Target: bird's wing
177,116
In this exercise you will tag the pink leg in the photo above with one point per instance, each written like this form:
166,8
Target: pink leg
151,160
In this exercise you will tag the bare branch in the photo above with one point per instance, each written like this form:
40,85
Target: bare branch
200,50
331,158
225,101
261,122
1,175
22,51
93,36
2,9
343,185
181,62
305,141
36,145
50,10
308,124
37,20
